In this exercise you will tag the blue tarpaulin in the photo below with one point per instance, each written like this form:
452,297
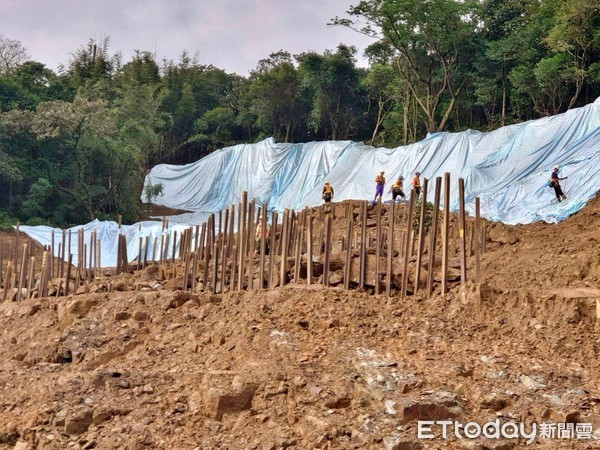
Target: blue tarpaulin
508,169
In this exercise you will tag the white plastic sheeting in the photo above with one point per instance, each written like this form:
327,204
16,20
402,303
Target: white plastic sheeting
508,169
107,233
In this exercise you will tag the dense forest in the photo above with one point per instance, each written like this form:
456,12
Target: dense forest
75,144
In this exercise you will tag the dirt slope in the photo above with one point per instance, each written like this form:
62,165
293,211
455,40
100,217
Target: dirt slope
309,367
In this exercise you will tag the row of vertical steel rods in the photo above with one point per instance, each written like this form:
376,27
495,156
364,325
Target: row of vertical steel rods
237,260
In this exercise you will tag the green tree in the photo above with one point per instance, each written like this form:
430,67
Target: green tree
276,97
576,33
12,54
333,83
432,40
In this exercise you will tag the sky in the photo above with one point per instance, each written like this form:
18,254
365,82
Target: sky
230,34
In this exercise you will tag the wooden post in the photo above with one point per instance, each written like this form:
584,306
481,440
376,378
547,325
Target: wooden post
251,247
284,247
43,283
7,280
378,246
52,255
223,260
68,276
139,257
433,235
62,255
174,247
272,252
421,234
162,247
363,246
195,268
309,250
98,256
232,278
31,276
390,249
24,258
477,233
207,250
327,259
16,259
231,232
215,268
445,230
146,245
407,255
154,248
298,248
242,240
225,230
347,267
186,269
461,232
119,258
125,258
250,242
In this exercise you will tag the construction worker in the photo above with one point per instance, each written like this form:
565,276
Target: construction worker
259,235
555,183
398,189
379,185
327,192
416,183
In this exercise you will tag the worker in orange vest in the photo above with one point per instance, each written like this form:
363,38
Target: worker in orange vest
379,184
416,183
398,189
327,192
260,235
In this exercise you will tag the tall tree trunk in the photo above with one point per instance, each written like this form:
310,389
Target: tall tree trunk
405,116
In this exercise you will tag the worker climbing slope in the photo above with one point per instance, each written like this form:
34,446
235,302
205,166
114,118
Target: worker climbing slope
379,185
416,183
555,183
398,189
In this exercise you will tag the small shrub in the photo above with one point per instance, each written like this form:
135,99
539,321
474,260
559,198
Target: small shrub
417,215
151,191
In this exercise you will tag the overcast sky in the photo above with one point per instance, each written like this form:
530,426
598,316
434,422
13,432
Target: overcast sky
231,34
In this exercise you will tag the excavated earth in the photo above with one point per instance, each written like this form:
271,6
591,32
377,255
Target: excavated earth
309,367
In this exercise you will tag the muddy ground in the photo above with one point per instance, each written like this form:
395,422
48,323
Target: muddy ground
307,367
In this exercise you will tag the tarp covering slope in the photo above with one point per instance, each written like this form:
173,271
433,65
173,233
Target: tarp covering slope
508,169
107,233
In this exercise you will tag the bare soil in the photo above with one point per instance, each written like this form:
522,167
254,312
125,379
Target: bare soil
312,367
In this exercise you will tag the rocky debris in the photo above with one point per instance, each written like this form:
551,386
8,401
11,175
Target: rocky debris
531,381
78,421
441,405
495,402
226,392
503,234
305,366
